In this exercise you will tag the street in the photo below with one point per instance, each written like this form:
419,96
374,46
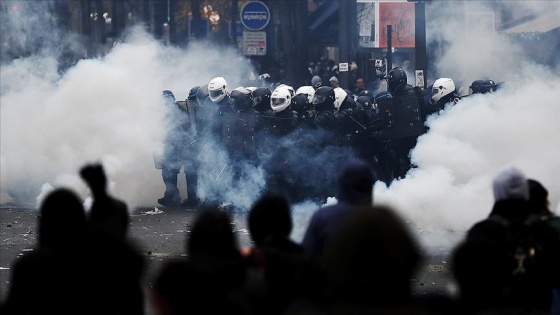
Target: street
161,235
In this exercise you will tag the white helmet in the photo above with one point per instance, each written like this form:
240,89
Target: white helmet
217,89
308,90
280,99
339,97
289,88
441,88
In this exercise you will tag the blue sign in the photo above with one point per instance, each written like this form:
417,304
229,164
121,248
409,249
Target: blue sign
255,15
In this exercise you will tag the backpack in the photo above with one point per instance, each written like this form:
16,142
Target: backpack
530,264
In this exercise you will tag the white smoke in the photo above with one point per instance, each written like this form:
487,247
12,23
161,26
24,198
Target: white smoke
107,108
470,143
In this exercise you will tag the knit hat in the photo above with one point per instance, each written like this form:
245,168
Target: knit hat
316,82
511,184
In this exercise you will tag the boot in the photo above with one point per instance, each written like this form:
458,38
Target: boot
171,196
192,201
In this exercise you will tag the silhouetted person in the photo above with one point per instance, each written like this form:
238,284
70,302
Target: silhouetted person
547,229
290,275
513,230
108,214
211,280
270,218
539,203
116,265
370,262
52,279
188,287
354,189
478,268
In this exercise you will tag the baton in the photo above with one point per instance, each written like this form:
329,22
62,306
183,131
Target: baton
358,122
204,148
221,172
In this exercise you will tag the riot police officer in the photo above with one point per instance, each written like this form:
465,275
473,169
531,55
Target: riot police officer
323,104
351,121
402,120
302,103
173,151
212,155
238,131
325,145
281,123
443,92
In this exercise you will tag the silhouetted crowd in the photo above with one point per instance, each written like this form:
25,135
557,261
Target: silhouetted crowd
355,258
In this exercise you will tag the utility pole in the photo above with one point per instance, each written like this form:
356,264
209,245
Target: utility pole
420,50
234,14
346,31
420,44
389,48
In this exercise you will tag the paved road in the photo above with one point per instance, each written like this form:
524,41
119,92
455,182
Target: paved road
161,235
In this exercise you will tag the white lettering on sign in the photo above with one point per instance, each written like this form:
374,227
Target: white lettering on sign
255,15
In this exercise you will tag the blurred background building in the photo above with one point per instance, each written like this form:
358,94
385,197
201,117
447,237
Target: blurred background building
302,36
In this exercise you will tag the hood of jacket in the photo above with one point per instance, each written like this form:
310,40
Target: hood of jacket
355,183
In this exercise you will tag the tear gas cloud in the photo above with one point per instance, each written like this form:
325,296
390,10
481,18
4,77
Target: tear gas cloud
106,108
470,143
109,109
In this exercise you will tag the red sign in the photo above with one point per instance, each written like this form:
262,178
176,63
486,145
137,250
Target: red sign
400,15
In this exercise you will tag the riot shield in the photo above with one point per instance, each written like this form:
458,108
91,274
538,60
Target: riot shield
401,117
190,106
238,132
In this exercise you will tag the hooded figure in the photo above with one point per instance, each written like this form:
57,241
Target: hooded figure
511,195
55,270
354,189
522,249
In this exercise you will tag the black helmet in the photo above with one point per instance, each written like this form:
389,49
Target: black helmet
202,93
193,93
241,99
261,99
483,86
348,102
366,93
300,103
396,79
365,101
324,98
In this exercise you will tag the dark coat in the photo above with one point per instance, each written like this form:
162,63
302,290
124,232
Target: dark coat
355,188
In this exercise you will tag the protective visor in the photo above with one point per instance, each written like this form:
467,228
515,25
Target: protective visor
318,99
277,101
215,93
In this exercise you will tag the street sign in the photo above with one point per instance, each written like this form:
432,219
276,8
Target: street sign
419,78
254,43
255,15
